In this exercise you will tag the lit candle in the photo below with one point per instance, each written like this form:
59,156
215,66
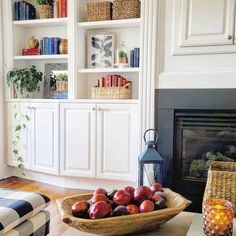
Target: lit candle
218,217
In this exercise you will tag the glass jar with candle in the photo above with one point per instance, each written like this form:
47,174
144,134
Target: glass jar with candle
218,217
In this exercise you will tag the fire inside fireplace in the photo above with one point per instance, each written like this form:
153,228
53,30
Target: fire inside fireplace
200,138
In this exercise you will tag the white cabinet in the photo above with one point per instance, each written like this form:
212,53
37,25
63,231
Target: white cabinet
45,138
25,141
99,141
201,25
117,142
78,140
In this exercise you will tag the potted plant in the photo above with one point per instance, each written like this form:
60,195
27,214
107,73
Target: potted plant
45,8
24,82
61,82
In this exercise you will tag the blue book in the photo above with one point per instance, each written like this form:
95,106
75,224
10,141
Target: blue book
132,58
46,45
21,7
52,45
136,57
27,12
49,46
16,17
56,45
41,47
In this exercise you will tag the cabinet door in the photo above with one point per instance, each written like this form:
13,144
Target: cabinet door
78,135
45,136
117,142
14,113
204,23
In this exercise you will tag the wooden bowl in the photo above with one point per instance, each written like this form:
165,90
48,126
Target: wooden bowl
122,225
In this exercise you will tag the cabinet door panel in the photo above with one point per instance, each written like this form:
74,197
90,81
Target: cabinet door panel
78,140
45,138
24,145
116,142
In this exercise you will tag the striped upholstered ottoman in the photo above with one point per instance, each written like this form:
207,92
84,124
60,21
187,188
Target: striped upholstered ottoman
22,213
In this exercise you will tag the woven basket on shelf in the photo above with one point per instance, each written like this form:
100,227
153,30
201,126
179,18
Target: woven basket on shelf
221,182
99,11
126,9
124,92
45,11
61,86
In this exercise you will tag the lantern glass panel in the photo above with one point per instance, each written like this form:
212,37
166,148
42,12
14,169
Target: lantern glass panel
152,173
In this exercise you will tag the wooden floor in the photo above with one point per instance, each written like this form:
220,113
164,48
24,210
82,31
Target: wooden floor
54,192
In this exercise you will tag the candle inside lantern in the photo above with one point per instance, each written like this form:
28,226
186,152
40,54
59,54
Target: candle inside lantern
218,217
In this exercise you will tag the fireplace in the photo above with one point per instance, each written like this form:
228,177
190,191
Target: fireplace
195,127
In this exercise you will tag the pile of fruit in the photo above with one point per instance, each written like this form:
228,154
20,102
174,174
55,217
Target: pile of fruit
127,201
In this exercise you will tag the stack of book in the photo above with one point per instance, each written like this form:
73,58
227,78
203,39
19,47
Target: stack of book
60,8
112,81
49,46
30,51
135,57
24,11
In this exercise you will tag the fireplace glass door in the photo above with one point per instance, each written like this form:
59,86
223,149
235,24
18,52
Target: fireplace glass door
200,138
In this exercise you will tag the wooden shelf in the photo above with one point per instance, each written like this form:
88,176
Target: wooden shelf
129,23
109,70
41,57
42,22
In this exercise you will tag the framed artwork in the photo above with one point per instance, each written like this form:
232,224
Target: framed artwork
101,50
50,70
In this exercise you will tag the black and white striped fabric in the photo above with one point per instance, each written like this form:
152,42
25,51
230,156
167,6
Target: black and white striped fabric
18,206
37,225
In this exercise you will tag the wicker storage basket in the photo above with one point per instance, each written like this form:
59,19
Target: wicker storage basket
124,92
126,9
99,11
221,182
61,86
45,11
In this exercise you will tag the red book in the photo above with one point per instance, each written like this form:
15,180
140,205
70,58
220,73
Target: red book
59,8
30,51
66,6
63,8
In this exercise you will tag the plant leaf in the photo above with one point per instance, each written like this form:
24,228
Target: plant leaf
15,152
18,128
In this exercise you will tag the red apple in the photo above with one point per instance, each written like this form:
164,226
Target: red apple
146,206
160,193
156,198
100,210
99,197
142,193
122,197
80,208
157,187
130,190
132,209
100,191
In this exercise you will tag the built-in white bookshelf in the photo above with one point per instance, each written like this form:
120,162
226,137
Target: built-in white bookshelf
76,29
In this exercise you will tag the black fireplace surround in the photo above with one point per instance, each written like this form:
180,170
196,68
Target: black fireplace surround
195,127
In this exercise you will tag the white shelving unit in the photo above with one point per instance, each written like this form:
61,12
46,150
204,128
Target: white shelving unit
42,57
54,22
109,70
128,23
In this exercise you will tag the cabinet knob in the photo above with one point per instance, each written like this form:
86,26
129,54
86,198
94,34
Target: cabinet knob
230,37
99,109
94,108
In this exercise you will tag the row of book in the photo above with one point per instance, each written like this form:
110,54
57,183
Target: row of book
47,46
135,57
112,81
24,11
60,8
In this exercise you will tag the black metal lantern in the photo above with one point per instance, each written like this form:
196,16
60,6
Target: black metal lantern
150,162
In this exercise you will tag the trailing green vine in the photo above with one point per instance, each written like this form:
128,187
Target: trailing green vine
23,82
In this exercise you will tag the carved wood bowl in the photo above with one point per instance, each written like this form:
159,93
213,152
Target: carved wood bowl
122,225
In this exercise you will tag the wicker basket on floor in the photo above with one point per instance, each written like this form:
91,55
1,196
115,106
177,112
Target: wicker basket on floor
126,9
221,182
45,11
99,11
124,92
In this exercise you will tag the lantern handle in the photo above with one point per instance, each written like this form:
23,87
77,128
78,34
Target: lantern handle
156,136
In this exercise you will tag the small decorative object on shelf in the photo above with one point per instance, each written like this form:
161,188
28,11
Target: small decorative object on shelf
100,50
121,56
33,42
45,9
24,11
126,9
150,162
99,11
63,46
112,87
218,217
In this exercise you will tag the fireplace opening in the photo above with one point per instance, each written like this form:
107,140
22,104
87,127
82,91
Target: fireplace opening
200,137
